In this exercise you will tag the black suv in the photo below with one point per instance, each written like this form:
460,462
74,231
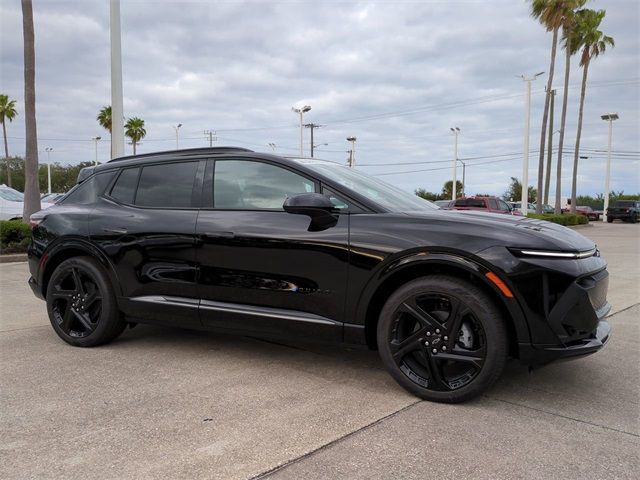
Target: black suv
232,240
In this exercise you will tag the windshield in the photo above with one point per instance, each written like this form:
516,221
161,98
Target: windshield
11,195
380,192
620,203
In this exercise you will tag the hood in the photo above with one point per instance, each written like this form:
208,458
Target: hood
507,230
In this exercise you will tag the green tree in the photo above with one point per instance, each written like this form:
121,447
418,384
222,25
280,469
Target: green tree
514,192
553,15
134,129
586,37
447,189
7,112
422,193
104,117
31,188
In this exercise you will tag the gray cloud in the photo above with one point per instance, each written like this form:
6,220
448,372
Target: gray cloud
238,67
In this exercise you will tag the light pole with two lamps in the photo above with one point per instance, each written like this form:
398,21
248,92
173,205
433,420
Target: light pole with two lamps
609,117
177,128
95,141
301,111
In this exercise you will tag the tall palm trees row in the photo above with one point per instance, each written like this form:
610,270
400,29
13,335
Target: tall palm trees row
7,112
134,128
580,32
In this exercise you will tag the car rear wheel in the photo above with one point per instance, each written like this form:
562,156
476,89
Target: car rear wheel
81,303
609,220
442,339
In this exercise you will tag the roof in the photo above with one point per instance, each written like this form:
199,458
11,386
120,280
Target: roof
184,153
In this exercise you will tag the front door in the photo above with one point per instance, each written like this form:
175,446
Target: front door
261,269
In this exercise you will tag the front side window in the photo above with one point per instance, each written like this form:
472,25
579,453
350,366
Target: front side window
167,185
503,206
249,185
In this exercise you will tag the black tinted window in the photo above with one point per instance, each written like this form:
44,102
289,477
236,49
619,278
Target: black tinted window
169,185
470,202
89,190
124,189
240,184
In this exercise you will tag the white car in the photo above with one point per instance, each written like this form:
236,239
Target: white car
11,203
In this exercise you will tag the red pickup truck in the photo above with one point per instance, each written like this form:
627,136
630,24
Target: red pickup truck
484,204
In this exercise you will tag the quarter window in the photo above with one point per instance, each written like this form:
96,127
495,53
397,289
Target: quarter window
88,191
249,185
167,185
124,189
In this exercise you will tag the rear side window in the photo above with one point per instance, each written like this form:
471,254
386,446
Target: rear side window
88,191
124,189
168,185
470,202
493,205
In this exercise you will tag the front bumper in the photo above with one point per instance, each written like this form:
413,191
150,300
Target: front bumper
539,355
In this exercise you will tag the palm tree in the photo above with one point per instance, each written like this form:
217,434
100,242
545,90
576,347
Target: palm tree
552,14
104,117
31,185
7,112
134,129
568,24
593,43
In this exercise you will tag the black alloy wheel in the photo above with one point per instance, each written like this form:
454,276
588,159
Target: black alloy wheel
81,303
442,339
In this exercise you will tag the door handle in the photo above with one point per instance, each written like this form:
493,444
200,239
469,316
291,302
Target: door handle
218,234
119,231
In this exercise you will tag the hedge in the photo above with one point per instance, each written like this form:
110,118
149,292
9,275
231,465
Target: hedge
566,219
15,236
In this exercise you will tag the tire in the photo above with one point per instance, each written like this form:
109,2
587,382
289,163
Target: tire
609,220
442,339
634,218
82,305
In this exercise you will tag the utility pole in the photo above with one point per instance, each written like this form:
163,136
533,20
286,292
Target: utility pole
456,132
95,141
117,109
464,168
609,117
48,150
312,126
547,180
352,152
301,111
177,128
211,135
525,159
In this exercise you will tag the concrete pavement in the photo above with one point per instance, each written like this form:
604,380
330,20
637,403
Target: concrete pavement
168,403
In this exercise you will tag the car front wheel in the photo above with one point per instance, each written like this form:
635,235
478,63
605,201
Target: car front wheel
442,338
81,303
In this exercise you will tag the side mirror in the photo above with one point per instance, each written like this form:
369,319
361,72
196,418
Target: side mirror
315,205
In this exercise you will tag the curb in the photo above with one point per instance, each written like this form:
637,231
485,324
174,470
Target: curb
13,258
578,227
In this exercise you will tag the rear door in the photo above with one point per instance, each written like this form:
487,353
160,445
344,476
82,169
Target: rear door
261,269
145,224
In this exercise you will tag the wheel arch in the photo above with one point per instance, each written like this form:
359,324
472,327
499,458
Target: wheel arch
419,265
75,248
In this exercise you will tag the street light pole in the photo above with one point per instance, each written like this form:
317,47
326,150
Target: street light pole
177,128
524,205
48,150
95,140
117,110
609,117
456,132
301,111
464,168
352,152
273,146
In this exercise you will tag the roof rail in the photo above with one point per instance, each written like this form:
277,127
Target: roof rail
185,152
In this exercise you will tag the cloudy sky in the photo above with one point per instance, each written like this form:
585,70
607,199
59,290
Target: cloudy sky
395,74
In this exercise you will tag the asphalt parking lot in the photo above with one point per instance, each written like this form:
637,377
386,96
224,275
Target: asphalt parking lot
167,403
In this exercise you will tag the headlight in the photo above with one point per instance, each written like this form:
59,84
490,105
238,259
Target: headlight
525,252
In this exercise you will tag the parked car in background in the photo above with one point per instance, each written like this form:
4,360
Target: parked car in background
485,204
256,244
625,210
443,203
588,212
51,197
545,208
12,203
516,206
